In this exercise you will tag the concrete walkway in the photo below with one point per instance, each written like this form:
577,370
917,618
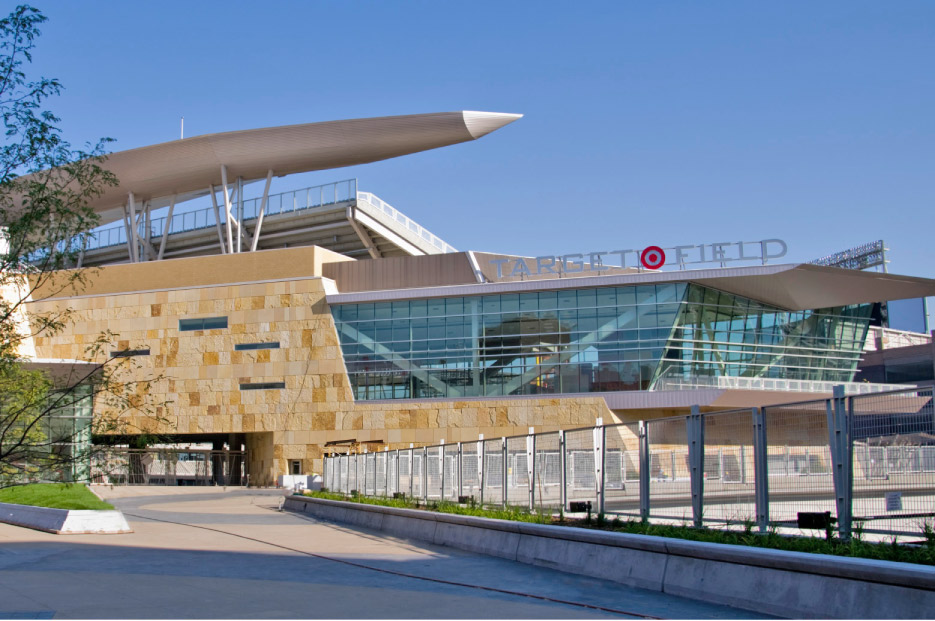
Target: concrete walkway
211,553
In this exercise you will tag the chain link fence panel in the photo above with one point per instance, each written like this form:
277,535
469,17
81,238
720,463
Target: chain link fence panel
494,472
798,462
670,495
729,477
893,462
622,469
548,473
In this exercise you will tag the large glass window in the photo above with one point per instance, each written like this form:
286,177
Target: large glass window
587,340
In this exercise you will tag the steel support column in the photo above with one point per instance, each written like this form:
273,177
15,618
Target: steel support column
165,229
760,469
695,429
217,219
259,219
645,470
839,440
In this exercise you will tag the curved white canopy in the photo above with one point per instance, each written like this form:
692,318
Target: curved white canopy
186,168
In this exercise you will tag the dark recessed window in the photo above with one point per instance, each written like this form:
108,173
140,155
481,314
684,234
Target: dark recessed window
126,353
202,323
251,346
263,386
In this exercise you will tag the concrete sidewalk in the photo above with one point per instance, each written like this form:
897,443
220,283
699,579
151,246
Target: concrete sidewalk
211,553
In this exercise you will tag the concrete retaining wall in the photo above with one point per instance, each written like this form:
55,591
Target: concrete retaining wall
64,521
782,583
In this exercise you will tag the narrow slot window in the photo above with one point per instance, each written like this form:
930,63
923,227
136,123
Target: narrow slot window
263,386
252,346
127,353
202,323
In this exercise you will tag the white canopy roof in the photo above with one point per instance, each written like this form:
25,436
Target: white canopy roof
186,168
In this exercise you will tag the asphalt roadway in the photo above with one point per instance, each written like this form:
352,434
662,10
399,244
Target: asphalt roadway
199,553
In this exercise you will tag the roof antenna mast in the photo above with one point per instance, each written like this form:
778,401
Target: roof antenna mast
183,129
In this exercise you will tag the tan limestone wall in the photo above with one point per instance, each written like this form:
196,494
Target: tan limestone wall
202,374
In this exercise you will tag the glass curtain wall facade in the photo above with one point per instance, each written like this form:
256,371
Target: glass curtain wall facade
587,340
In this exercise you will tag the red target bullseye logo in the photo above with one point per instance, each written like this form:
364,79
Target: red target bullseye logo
653,258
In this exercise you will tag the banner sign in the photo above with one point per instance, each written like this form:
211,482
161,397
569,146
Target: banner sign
651,257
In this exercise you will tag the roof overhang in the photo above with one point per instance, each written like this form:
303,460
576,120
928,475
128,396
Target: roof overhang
792,287
187,168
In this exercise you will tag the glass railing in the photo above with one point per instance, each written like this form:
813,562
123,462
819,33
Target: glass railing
680,382
285,202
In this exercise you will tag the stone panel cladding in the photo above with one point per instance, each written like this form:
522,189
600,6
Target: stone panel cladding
203,373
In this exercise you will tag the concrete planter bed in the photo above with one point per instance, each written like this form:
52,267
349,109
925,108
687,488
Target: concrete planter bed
64,521
793,584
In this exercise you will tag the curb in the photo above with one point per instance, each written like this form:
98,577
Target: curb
778,582
65,521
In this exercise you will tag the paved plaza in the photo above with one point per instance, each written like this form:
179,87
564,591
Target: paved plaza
215,553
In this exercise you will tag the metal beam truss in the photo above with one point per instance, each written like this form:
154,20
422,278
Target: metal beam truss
863,257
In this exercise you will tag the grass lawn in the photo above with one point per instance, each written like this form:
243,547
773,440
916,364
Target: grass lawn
54,495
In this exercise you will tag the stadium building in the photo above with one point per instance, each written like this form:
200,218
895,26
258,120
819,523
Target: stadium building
324,319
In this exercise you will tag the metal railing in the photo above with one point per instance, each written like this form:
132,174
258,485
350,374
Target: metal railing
122,466
399,221
868,460
284,202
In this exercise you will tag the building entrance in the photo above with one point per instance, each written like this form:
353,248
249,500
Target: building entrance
168,466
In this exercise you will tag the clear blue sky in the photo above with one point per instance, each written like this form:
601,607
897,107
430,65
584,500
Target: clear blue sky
646,122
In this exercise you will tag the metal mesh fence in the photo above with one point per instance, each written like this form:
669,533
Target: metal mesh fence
494,472
452,481
548,475
380,471
393,473
670,478
893,461
580,476
433,472
888,443
622,469
417,484
517,471
798,461
470,467
729,478
405,471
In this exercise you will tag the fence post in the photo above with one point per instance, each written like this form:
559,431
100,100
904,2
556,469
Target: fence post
425,475
562,476
324,470
839,440
481,458
412,469
398,479
386,471
531,466
598,435
695,429
460,472
441,455
505,455
760,472
645,471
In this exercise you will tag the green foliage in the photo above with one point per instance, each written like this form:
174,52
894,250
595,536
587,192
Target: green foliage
54,495
513,513
45,222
